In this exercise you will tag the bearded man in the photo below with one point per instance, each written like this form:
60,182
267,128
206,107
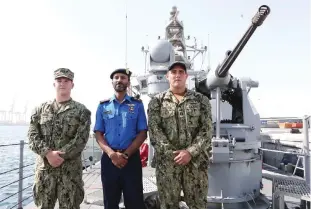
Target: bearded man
120,129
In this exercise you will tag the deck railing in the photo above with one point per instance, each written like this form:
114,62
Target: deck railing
20,198
305,149
20,180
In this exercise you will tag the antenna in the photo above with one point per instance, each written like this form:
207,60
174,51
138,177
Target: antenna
125,33
129,89
208,54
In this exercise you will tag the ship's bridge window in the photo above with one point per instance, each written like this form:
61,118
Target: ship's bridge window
174,30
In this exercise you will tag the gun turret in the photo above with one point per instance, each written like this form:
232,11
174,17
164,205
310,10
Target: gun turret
220,77
223,88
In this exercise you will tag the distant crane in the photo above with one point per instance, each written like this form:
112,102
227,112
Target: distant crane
12,117
11,111
25,111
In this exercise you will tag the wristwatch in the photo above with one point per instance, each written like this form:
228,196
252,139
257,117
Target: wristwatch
125,155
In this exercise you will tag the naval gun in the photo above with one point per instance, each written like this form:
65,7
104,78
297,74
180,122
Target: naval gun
235,171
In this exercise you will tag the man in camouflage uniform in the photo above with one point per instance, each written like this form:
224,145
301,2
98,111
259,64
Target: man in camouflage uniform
180,130
58,133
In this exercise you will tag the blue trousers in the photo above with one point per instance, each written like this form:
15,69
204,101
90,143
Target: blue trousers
127,180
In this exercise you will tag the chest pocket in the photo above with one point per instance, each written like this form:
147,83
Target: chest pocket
108,117
130,116
46,122
130,111
167,112
167,115
73,122
73,125
108,114
193,114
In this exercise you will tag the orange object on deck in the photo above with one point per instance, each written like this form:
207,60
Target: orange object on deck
297,125
290,125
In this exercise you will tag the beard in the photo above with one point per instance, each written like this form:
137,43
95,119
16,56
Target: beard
120,87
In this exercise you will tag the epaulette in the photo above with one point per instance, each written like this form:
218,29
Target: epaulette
103,101
137,98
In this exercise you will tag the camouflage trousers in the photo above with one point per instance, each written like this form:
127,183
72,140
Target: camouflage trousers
172,178
50,186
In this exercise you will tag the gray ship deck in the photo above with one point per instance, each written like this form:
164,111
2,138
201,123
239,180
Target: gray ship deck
93,187
94,194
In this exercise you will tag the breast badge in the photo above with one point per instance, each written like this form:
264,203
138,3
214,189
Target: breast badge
131,108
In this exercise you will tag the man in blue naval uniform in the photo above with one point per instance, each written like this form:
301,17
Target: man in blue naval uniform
120,129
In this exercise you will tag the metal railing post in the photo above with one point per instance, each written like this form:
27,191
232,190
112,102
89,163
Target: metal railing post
93,159
306,149
20,182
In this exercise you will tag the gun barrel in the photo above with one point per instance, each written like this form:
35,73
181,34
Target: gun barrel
261,15
257,20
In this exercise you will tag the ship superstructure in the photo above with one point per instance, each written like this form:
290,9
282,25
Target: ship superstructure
172,47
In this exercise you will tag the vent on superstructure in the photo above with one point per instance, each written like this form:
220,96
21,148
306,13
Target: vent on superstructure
143,83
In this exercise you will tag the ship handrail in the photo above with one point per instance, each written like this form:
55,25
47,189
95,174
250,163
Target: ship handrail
21,177
8,145
281,185
20,171
285,152
14,169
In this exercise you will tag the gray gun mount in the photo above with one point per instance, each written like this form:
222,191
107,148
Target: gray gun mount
230,88
235,157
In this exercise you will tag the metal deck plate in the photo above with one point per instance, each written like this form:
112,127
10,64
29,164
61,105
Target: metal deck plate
292,187
149,184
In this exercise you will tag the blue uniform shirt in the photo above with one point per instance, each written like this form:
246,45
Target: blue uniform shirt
120,122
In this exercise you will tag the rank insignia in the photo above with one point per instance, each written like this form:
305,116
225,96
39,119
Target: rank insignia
107,112
131,108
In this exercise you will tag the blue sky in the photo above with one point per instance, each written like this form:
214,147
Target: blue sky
89,38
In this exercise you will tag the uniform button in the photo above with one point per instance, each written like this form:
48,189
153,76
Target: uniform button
119,124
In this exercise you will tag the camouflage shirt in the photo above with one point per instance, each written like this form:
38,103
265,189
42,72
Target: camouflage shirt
180,125
66,129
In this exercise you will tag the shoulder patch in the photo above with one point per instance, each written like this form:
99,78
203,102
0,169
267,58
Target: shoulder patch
103,101
154,103
136,98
